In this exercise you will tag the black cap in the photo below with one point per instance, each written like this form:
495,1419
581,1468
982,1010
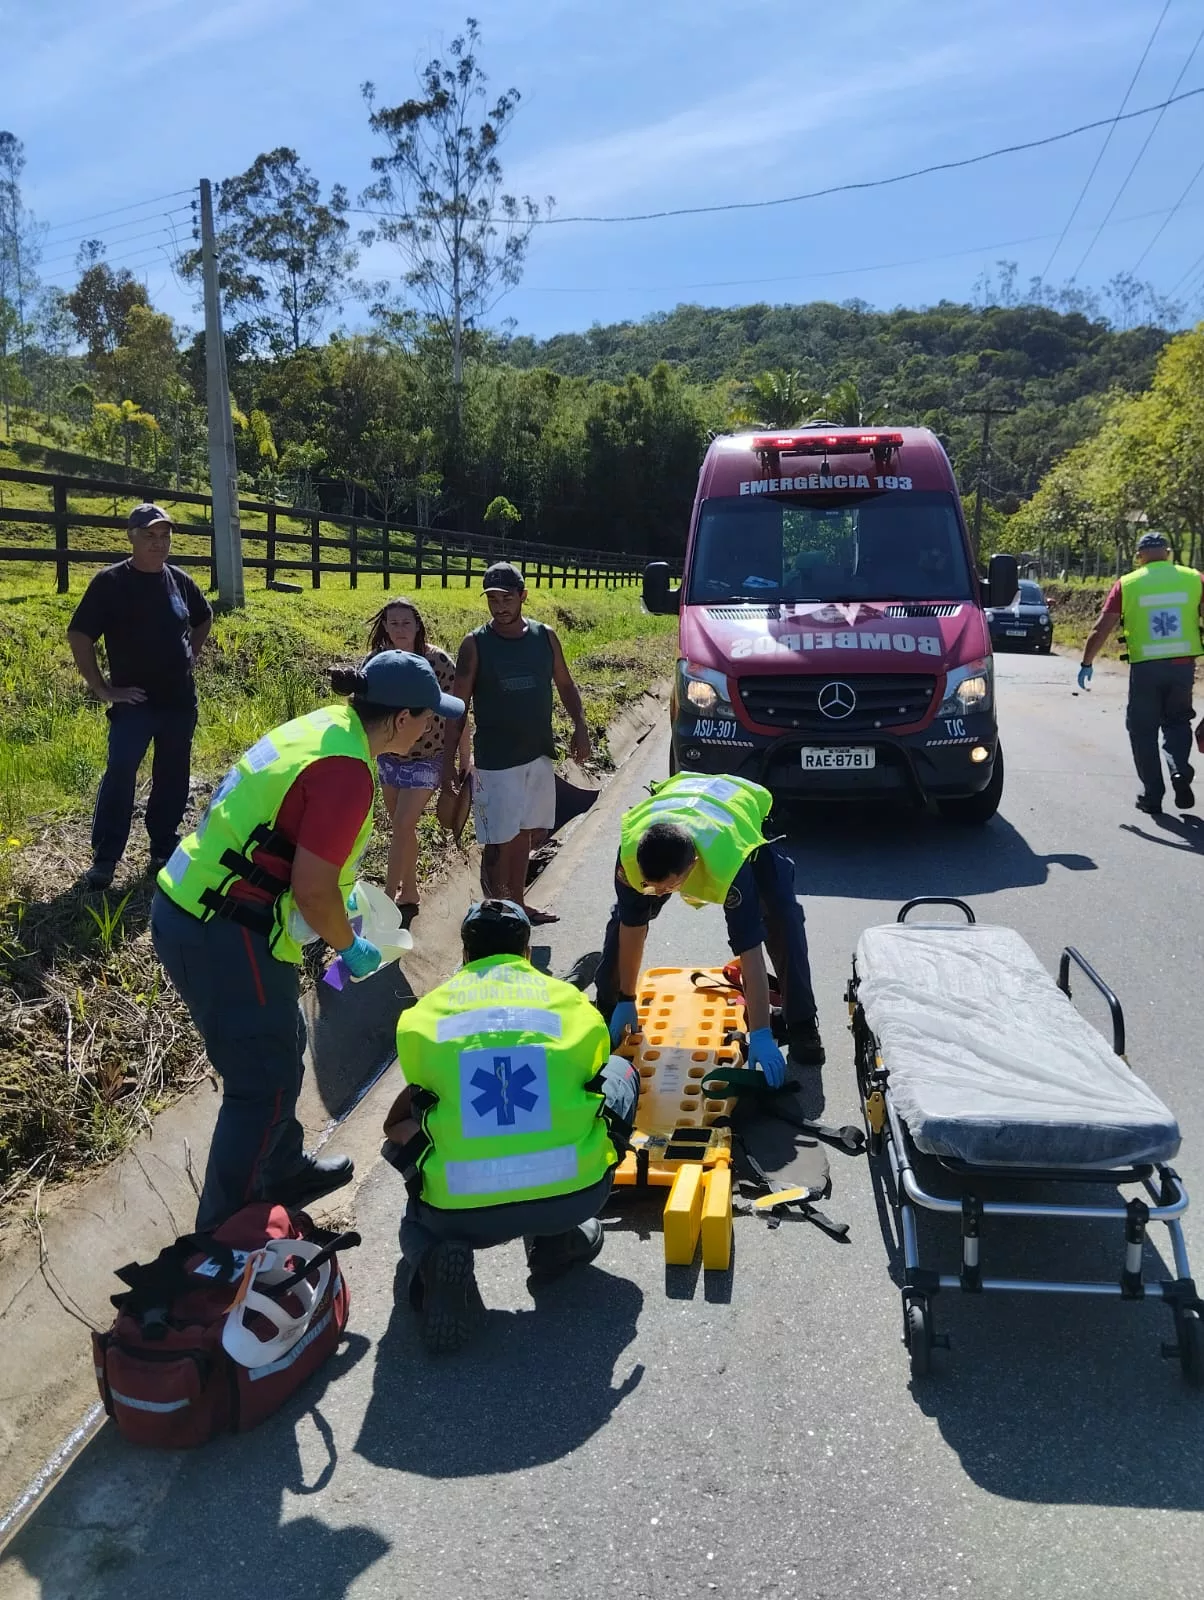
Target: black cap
505,576
147,514
496,911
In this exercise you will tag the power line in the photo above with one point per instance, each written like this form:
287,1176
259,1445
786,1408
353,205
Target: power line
134,206
833,272
151,233
846,188
134,222
1190,273
1166,221
1107,140
141,258
1137,159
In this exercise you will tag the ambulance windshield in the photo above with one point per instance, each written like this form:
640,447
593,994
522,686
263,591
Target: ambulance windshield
897,545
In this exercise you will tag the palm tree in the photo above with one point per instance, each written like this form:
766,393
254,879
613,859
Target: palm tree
845,406
129,419
775,399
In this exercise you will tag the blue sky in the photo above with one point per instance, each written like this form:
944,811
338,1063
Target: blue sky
630,106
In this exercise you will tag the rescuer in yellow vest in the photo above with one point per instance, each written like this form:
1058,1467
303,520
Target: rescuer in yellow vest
701,836
512,1120
269,869
1158,607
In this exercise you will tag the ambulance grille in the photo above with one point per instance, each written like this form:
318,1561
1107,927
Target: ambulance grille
881,700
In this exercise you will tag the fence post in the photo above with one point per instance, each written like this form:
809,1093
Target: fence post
576,575
353,552
443,559
564,573
417,559
62,565
384,554
212,548
270,575
468,568
315,553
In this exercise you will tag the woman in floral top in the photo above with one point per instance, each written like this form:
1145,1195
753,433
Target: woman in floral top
409,781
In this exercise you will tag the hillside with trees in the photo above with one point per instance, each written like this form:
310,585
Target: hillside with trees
410,405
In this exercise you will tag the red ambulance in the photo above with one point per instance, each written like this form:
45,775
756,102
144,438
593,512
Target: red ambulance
833,641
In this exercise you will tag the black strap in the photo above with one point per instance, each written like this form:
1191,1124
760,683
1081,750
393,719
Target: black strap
258,918
724,1082
745,1158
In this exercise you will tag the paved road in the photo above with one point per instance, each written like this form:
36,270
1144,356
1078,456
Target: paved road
761,1438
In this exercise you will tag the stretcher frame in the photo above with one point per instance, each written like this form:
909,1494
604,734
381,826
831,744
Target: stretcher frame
891,1150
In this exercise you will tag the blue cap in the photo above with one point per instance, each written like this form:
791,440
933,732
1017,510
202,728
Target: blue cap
147,514
397,678
1153,541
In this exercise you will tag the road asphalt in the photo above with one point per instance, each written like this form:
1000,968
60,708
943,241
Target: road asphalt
647,1433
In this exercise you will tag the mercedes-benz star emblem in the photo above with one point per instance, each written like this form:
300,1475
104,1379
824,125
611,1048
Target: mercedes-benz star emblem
837,700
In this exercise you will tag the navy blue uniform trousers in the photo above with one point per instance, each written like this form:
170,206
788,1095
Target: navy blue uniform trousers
245,1006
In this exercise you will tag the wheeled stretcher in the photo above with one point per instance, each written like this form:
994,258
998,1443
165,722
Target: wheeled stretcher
981,1081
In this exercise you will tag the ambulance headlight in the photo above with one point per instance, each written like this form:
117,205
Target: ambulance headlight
967,689
703,690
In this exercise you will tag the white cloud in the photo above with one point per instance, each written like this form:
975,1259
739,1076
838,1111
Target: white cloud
67,59
846,95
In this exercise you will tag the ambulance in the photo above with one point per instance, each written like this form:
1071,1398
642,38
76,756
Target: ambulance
833,639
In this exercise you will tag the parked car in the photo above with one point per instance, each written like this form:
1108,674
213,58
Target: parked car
1025,624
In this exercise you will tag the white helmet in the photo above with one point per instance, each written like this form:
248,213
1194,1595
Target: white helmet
267,1267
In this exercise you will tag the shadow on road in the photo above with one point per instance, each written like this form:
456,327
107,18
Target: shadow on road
128,1524
351,1030
531,1390
1178,833
873,853
1056,1399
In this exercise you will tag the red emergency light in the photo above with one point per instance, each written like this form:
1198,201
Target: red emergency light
823,444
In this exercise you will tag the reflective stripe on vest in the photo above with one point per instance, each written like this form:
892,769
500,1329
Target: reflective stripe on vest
1160,611
242,815
723,817
506,1051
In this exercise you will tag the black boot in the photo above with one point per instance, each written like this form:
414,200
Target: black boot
554,1253
451,1309
806,1046
310,1181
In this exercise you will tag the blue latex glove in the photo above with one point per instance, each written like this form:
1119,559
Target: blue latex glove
764,1053
1085,676
623,1017
361,957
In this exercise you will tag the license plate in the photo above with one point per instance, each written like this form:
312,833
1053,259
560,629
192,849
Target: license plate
1015,633
838,760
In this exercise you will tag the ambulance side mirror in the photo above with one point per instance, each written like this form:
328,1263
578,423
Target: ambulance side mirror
659,599
1003,581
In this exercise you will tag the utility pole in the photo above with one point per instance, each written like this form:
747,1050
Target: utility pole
223,464
986,413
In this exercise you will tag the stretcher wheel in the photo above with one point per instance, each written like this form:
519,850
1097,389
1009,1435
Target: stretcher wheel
1191,1349
919,1338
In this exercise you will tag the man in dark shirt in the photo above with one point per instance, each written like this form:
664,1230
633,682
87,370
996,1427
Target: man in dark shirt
153,620
508,668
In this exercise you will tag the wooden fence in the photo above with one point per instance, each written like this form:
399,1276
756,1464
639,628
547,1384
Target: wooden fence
293,539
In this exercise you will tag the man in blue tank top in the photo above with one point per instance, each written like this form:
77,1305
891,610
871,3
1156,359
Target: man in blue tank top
507,668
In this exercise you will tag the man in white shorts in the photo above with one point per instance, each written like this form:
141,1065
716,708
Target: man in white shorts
507,668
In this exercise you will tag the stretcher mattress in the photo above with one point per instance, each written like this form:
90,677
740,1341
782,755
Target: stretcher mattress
989,1061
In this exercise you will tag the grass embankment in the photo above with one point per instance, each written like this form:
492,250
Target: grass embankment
1074,608
92,1039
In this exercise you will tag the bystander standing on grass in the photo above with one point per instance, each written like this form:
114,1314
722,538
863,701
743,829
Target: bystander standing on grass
407,782
153,620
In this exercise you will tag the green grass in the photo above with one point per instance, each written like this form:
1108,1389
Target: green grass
265,665
93,1041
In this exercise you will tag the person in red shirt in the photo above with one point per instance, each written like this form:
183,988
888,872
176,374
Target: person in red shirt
263,874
